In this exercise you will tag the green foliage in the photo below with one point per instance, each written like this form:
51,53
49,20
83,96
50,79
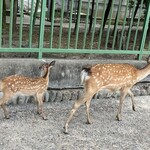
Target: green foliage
131,3
145,5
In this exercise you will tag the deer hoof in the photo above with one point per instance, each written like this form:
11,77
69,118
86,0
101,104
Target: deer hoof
39,113
118,118
89,122
7,117
45,117
133,108
65,130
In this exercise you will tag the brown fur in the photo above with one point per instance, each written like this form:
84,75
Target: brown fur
108,76
20,85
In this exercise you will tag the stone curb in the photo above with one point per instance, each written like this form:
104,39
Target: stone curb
140,89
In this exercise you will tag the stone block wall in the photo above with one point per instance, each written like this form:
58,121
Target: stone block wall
64,78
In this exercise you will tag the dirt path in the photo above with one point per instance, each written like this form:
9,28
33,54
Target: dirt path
27,131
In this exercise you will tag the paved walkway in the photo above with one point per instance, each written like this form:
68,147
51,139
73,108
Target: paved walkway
25,130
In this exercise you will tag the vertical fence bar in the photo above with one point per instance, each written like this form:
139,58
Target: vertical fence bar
86,24
61,23
1,21
11,23
31,24
70,23
101,27
21,23
138,23
94,24
145,28
109,25
52,24
116,24
149,46
78,22
42,25
124,23
130,26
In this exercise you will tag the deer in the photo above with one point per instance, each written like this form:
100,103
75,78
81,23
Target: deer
15,85
114,77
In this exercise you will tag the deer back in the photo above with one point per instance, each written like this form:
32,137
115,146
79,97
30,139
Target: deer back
23,84
111,76
27,85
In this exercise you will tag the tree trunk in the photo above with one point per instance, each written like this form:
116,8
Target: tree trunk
35,13
51,7
4,13
107,12
136,9
148,32
91,16
15,14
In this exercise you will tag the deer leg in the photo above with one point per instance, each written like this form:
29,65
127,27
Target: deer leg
132,99
87,111
40,106
6,113
3,100
77,104
38,109
123,94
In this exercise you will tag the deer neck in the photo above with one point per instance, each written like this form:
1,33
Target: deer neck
142,73
46,75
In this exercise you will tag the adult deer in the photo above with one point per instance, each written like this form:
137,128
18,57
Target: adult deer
108,76
21,85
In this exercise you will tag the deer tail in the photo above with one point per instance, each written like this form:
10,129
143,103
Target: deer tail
85,74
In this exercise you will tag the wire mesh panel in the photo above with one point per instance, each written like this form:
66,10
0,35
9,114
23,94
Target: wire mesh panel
81,26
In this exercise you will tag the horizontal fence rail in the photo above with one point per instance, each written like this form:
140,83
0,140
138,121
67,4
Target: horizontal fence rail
75,26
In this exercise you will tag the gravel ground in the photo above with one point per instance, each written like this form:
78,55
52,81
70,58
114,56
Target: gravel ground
25,130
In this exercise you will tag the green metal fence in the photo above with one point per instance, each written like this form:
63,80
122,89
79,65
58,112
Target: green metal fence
87,28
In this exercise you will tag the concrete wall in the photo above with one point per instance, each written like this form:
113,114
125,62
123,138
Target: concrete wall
64,77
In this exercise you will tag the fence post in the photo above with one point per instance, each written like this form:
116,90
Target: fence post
42,25
1,12
145,28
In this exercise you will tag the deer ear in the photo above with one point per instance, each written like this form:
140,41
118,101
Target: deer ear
52,63
148,59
